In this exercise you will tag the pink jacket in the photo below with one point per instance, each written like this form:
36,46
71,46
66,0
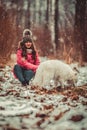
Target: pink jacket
29,63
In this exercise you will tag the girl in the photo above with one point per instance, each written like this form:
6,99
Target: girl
27,61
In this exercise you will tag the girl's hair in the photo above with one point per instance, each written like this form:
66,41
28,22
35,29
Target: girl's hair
24,49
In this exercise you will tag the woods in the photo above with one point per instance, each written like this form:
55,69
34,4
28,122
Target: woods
47,92
6,34
58,27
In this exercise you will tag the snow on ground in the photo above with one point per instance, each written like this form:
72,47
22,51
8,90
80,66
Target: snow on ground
34,109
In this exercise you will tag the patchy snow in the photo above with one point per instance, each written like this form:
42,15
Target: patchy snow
36,109
82,77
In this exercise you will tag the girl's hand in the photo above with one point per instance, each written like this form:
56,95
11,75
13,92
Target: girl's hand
23,59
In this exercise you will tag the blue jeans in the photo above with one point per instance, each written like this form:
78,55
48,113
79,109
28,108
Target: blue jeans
23,75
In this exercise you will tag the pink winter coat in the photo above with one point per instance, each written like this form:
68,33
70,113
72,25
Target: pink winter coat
29,62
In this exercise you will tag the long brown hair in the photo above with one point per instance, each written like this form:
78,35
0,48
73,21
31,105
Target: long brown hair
24,49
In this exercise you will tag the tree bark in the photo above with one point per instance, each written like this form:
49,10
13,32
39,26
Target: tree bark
47,12
79,28
56,17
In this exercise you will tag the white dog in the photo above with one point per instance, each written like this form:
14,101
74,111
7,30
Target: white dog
55,70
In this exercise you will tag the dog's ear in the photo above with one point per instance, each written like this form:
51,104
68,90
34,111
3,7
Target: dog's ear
76,69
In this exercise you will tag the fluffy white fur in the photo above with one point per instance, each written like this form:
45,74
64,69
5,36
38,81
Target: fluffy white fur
55,70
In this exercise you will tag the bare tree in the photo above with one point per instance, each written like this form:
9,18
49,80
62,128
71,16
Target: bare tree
79,29
7,32
47,12
56,23
27,15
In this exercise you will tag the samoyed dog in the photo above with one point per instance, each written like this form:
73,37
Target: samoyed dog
54,70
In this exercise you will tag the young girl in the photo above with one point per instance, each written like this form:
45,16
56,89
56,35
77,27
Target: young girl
27,61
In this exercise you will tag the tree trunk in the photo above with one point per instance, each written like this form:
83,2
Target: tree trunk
56,23
27,19
85,35
79,28
47,12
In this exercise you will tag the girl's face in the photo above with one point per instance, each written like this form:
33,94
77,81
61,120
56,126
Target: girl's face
28,44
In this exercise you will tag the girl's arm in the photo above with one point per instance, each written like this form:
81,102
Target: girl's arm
24,63
37,59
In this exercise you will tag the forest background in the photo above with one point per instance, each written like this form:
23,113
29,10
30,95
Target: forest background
59,28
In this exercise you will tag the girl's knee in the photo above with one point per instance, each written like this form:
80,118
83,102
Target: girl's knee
16,66
32,72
